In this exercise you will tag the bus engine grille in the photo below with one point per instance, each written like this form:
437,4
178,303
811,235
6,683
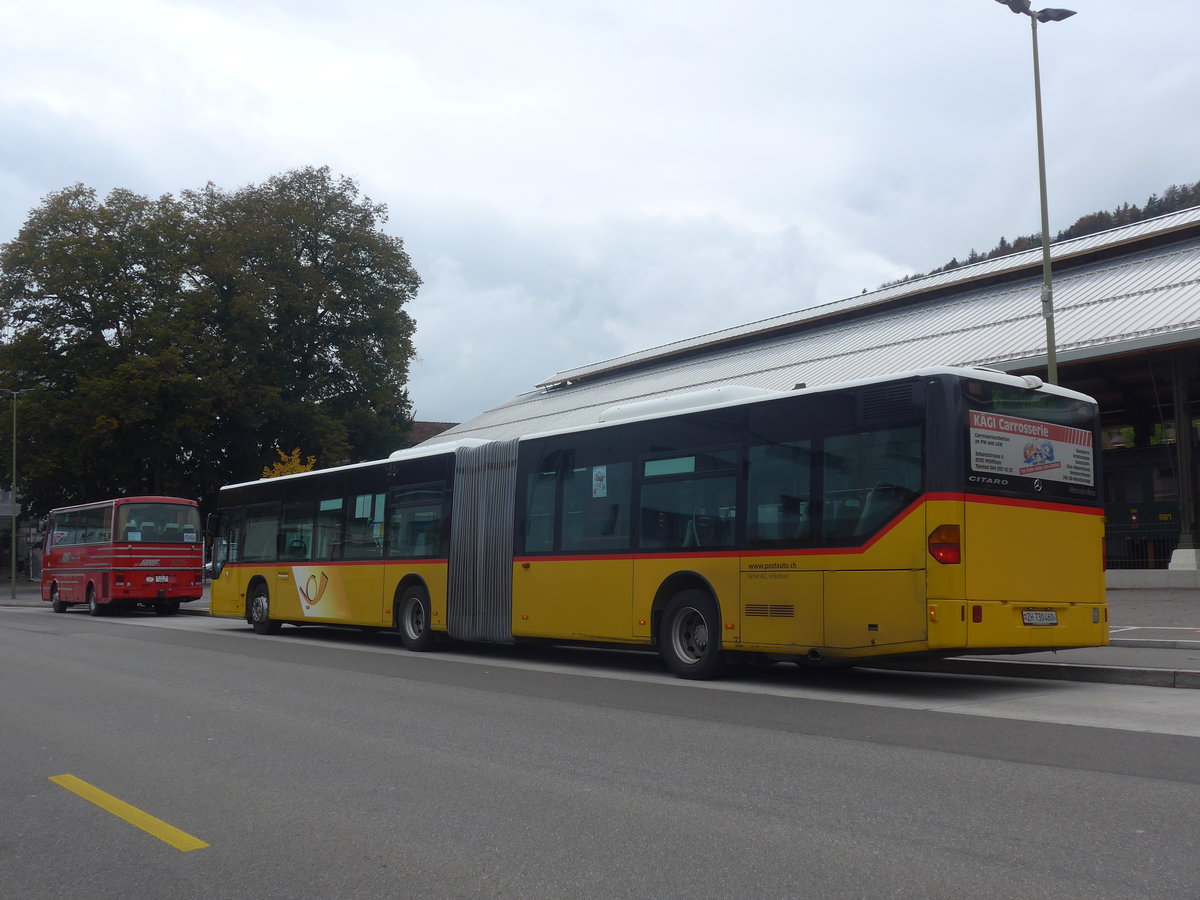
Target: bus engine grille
771,610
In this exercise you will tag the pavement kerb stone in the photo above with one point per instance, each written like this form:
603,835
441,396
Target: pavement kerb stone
1146,677
1154,644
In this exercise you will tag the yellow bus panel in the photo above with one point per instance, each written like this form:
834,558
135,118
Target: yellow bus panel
573,599
1033,555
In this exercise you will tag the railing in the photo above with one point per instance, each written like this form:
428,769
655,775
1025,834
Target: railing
1140,546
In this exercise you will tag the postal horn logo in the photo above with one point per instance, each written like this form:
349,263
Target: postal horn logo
313,589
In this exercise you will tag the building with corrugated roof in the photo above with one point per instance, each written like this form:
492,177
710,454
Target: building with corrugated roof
1127,323
420,432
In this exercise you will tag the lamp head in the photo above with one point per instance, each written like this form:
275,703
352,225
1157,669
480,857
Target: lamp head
1017,6
1054,15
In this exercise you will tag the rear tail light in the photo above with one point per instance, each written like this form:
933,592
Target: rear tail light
945,545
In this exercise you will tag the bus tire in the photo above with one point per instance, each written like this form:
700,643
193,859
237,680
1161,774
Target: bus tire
414,620
56,602
260,611
95,608
689,638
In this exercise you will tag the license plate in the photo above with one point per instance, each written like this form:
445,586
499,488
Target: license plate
1039,617
162,579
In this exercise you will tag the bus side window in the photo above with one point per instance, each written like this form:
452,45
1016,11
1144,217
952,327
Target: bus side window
688,502
415,521
779,494
539,512
57,534
870,477
262,531
328,534
364,527
296,531
596,502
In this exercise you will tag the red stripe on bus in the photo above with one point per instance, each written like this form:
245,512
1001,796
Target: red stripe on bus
331,563
826,551
1016,501
737,554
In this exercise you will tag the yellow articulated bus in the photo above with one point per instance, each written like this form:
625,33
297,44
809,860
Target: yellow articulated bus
940,512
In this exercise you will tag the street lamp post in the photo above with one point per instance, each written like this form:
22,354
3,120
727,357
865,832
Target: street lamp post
1035,16
12,558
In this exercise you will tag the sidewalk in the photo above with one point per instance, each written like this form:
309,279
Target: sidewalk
29,593
1154,640
1154,637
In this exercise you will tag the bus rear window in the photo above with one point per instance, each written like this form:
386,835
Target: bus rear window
160,523
1030,441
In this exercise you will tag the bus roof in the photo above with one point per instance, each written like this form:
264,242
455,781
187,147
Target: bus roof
739,395
409,453
121,501
691,401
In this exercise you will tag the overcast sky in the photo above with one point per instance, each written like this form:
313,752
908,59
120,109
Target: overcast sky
577,180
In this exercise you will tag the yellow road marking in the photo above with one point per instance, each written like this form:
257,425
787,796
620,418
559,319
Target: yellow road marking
169,834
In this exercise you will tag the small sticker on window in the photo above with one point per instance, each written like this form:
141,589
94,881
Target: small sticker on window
599,482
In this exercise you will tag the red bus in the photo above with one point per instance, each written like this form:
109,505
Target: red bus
132,551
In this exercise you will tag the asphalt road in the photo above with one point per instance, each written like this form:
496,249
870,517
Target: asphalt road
321,763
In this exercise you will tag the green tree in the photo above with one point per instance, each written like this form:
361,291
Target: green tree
181,343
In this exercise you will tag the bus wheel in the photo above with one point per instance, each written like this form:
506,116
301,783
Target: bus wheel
260,612
690,636
56,603
168,608
94,607
415,632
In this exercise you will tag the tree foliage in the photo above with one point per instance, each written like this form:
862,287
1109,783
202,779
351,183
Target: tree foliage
289,464
178,344
1172,200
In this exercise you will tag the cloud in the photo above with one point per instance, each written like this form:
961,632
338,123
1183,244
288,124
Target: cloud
576,180
493,322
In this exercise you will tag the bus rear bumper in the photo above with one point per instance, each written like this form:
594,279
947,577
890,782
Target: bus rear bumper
1004,626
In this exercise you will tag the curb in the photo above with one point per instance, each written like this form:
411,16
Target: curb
1146,677
1149,643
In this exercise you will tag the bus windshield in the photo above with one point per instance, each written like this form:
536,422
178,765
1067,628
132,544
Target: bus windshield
162,523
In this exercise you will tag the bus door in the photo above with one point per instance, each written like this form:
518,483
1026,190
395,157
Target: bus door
226,533
260,557
782,593
360,596
584,591
875,585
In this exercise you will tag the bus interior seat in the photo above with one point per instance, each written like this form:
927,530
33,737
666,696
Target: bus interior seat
360,540
842,515
704,530
882,502
691,534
